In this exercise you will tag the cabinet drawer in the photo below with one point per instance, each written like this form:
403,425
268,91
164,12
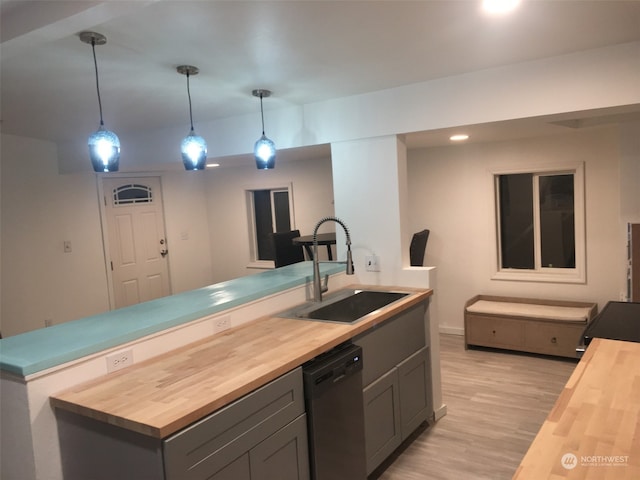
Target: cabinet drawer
553,339
216,440
494,332
391,342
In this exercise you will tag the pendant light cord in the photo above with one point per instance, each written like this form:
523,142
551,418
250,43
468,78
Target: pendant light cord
189,95
261,113
95,63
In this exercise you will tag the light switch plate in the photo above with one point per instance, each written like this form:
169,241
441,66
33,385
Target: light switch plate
372,263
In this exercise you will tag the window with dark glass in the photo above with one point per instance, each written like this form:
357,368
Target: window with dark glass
516,220
557,221
536,221
272,214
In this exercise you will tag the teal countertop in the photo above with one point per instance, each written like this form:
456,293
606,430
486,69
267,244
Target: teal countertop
38,350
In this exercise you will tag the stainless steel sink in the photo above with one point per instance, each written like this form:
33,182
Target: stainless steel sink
345,307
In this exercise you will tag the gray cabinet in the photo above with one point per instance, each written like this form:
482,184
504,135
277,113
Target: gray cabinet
414,385
260,436
397,382
381,418
232,440
282,455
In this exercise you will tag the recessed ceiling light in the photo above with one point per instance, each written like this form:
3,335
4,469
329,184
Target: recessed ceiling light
459,137
212,165
499,6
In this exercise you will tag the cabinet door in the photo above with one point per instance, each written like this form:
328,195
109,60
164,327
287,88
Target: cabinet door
381,418
416,404
235,470
284,455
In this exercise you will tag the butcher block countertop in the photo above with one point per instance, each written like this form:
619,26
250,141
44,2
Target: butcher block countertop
167,393
593,431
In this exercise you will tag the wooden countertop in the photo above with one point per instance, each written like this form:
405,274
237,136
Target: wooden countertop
593,431
165,394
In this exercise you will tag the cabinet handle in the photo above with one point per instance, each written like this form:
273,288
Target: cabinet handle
494,332
554,340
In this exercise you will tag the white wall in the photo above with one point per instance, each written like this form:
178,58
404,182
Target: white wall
40,210
451,193
227,207
205,217
367,200
592,79
186,218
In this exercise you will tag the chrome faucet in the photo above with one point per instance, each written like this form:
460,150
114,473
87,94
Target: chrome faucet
318,288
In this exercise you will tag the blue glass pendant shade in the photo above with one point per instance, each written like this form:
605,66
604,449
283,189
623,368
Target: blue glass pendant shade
104,150
194,152
265,153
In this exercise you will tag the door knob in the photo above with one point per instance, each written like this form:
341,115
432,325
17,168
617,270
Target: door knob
164,250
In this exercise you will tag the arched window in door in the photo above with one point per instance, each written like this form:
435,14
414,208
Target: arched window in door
132,193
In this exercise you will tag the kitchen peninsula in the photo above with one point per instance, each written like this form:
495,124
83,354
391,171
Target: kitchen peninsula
30,379
163,396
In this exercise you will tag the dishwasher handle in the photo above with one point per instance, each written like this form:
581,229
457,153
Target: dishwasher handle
321,374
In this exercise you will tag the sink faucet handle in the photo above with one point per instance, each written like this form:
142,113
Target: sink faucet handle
350,267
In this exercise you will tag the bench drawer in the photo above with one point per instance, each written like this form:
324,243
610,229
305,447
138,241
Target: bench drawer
494,332
552,339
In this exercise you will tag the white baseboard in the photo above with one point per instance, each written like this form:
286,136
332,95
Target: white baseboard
451,330
440,412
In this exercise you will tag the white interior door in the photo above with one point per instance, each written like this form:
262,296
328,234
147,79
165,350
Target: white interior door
137,241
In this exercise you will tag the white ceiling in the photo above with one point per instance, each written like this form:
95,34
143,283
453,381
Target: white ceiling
304,51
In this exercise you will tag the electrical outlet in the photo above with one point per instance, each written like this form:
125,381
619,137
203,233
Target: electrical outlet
119,360
221,323
372,263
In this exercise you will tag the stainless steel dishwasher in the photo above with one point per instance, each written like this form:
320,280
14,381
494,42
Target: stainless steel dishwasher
335,414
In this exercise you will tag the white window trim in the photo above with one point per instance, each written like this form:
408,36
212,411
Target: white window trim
549,275
254,263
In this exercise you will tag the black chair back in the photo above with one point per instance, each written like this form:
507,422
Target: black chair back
285,252
418,247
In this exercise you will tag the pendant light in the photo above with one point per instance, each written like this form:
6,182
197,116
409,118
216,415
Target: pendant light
104,145
264,149
193,147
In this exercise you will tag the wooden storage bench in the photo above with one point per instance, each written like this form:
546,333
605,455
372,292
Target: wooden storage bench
550,327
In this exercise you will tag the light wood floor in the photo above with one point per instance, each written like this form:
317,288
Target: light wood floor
496,402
